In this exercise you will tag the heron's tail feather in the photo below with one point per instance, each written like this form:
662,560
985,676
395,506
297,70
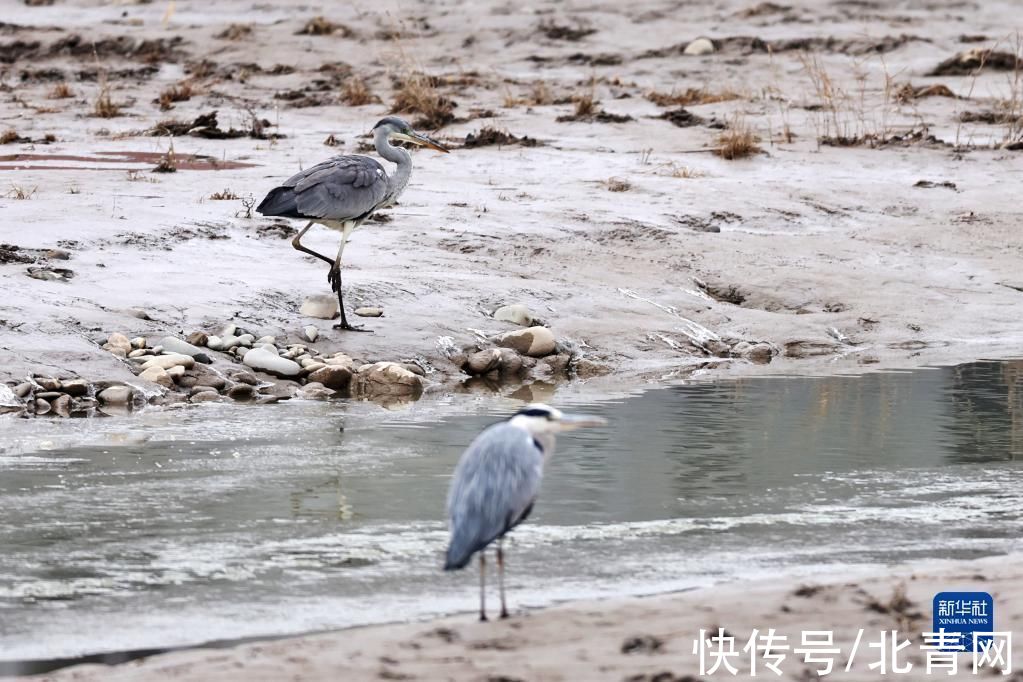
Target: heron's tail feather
456,559
279,202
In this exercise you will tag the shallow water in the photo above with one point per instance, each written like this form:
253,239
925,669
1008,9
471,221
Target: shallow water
177,527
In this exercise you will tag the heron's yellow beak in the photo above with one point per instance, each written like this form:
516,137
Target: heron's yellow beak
421,140
571,422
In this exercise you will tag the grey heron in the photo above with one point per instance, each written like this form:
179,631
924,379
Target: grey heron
496,484
342,192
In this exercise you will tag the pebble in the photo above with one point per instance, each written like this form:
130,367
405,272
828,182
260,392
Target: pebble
515,313
340,359
241,392
271,363
313,393
48,395
310,333
173,345
285,389
215,343
138,342
229,330
139,313
246,340
698,47
48,383
42,407
117,395
484,361
138,353
197,338
118,340
311,365
62,405
535,342
176,372
369,312
268,339
168,361
23,389
335,377
204,397
203,358
200,389
320,306
245,377
386,378
511,362
158,375
586,368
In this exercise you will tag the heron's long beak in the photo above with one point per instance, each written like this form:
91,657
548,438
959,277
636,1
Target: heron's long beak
571,422
421,140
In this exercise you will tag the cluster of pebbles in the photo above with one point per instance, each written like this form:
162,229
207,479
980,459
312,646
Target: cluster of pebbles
236,365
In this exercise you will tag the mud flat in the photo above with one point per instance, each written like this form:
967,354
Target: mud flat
639,639
811,189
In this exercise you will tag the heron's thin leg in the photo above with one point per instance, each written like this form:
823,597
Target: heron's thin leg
297,243
334,276
500,577
483,579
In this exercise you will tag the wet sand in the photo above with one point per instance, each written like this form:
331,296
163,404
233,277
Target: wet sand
836,256
639,638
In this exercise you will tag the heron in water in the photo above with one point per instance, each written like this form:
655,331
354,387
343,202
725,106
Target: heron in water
496,483
342,192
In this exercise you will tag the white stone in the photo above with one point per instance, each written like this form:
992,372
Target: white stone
118,340
116,395
515,313
173,345
536,342
321,306
215,343
386,378
272,340
271,363
309,333
168,361
369,312
246,340
158,375
699,47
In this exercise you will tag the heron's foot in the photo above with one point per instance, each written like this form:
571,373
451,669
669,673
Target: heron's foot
483,618
334,277
504,614
345,326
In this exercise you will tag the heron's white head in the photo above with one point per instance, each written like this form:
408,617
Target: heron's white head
539,419
397,129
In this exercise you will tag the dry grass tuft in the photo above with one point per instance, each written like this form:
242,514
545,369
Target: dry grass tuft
356,93
9,136
539,95
61,91
585,105
226,195
20,193
235,32
104,106
182,92
737,141
167,163
417,93
319,26
617,185
684,172
690,96
332,141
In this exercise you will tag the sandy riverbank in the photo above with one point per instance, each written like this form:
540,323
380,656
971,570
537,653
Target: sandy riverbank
644,638
842,258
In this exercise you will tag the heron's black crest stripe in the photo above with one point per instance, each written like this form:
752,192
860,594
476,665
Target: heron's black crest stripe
534,412
538,444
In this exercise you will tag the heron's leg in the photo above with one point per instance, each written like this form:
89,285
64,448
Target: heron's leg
500,577
334,277
483,579
297,243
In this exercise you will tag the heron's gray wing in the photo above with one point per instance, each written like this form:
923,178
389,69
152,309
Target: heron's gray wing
494,486
341,188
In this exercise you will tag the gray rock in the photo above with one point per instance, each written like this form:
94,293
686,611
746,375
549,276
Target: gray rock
511,362
215,343
535,342
42,407
320,306
23,389
48,383
515,313
369,312
229,330
335,377
138,342
271,363
118,341
586,368
157,375
203,358
246,340
316,393
386,379
200,389
268,339
484,361
139,352
414,368
311,365
47,395
173,345
117,395
245,377
198,338
241,392
310,333
204,397
62,405
285,388
698,47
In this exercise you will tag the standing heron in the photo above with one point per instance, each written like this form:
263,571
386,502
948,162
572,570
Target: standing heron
496,483
342,192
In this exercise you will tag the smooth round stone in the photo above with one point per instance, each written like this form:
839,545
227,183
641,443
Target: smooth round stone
515,313
268,339
229,330
168,361
157,375
369,312
138,342
241,392
138,353
335,377
197,338
698,47
116,395
535,342
215,343
42,407
320,306
204,397
246,339
271,363
173,345
310,333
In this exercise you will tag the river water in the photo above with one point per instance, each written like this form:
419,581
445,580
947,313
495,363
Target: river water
177,527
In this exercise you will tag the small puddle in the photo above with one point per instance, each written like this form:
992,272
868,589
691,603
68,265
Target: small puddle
115,161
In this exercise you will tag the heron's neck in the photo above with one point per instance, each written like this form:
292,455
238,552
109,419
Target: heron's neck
399,179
